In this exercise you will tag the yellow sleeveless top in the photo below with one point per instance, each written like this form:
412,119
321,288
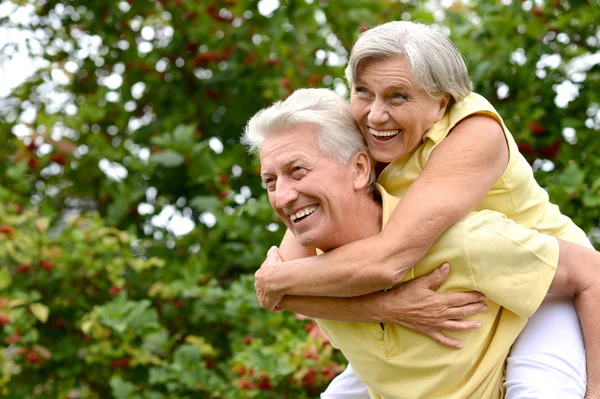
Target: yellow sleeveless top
516,194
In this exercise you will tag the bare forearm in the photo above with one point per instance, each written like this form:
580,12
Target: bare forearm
363,309
344,272
438,198
577,274
587,304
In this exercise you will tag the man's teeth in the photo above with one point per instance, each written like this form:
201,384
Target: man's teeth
387,133
303,212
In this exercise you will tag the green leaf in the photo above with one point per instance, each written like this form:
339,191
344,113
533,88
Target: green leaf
184,135
40,311
204,203
572,176
5,278
121,389
167,158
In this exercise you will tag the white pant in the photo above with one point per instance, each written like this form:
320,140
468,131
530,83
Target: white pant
546,361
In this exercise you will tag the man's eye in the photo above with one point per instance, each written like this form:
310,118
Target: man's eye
399,96
360,90
298,172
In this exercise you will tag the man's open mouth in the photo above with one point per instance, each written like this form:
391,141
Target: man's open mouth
303,213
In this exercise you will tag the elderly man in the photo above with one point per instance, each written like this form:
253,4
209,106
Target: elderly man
320,182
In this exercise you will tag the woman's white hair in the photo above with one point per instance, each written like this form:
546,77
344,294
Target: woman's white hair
337,131
436,64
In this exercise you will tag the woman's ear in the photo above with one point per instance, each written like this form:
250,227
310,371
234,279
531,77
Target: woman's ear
363,169
443,104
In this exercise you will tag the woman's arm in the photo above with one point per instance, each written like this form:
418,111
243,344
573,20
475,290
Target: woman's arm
459,173
577,274
414,304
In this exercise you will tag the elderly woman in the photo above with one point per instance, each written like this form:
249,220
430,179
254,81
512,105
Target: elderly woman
446,152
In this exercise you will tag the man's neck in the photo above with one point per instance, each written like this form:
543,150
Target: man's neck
365,220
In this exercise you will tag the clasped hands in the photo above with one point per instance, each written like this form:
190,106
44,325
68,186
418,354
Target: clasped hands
413,304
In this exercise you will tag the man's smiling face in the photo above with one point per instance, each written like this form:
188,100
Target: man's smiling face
308,188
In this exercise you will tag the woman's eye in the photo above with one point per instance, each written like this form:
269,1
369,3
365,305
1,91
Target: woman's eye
360,90
399,96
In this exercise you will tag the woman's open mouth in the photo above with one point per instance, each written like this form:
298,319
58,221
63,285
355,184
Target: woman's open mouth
383,135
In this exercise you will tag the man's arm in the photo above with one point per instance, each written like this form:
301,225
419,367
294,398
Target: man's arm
414,304
452,183
578,275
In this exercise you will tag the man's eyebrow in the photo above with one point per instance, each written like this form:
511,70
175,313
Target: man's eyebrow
285,164
292,160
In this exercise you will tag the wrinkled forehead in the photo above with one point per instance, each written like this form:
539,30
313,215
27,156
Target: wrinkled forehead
283,148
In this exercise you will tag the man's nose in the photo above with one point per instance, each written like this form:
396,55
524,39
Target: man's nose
378,113
285,194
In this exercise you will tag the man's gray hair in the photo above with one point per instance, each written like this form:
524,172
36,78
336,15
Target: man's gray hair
436,64
337,131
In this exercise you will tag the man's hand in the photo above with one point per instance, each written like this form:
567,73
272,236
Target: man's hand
267,299
415,305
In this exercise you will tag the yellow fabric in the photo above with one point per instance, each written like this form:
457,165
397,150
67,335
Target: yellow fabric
516,194
398,363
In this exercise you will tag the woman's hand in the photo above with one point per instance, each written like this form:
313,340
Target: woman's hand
591,395
266,297
415,305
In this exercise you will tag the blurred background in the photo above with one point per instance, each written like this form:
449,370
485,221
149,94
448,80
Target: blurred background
132,220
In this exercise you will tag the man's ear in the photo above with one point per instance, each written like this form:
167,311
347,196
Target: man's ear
362,167
443,104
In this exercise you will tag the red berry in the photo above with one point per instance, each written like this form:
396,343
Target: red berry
285,83
46,265
120,363
4,319
264,384
32,357
315,80
223,179
537,128
245,384
250,59
273,62
6,229
23,269
223,194
20,351
58,158
362,28
525,148
210,363
32,163
31,147
179,304
13,339
248,339
114,290
552,150
537,11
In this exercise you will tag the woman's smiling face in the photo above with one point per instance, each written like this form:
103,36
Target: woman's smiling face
392,111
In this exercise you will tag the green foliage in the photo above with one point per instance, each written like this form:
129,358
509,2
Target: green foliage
100,295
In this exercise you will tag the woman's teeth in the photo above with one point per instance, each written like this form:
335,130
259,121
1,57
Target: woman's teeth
384,133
